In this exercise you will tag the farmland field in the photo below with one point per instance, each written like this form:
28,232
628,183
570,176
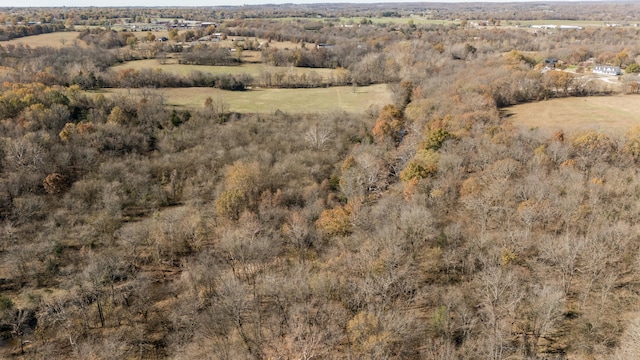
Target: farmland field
583,23
375,20
420,20
54,40
611,114
288,100
252,69
173,67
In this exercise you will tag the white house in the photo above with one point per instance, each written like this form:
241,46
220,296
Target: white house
570,27
607,70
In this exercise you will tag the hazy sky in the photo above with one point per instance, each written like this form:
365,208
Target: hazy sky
117,3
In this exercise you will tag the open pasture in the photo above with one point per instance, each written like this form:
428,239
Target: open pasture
281,44
607,114
355,20
583,23
417,20
55,40
318,100
171,66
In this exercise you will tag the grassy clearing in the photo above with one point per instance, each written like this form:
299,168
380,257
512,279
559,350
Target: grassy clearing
375,20
583,23
252,69
608,114
281,44
287,100
420,20
173,67
251,56
417,20
55,40
229,43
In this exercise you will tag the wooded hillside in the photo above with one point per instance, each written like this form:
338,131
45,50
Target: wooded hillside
432,227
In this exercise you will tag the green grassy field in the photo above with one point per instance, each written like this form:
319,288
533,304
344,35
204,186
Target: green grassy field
270,100
252,69
608,114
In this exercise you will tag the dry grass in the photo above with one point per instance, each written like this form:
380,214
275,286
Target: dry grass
288,100
583,23
609,114
281,44
251,56
172,67
55,40
252,69
70,38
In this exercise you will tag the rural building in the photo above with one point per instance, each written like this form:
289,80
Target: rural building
324,46
543,26
607,70
561,27
550,63
183,24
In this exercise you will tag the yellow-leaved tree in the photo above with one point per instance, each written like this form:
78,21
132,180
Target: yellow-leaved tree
336,221
242,187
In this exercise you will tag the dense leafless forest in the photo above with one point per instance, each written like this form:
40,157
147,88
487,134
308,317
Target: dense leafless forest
432,227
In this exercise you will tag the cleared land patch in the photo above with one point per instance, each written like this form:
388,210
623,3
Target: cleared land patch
55,40
583,23
255,70
608,114
172,67
316,100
